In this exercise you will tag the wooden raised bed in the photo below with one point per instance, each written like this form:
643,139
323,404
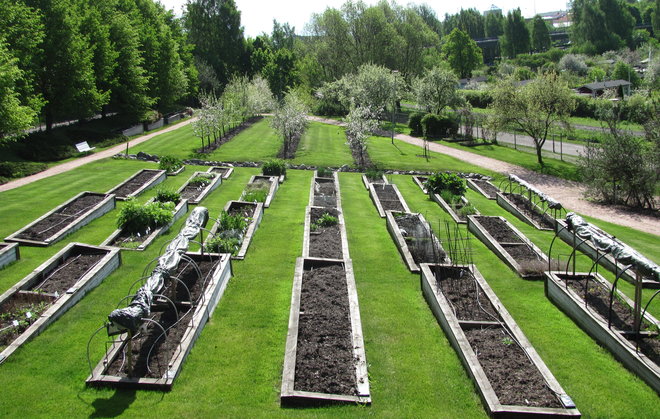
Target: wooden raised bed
257,214
274,185
177,171
65,219
592,321
8,253
420,254
196,196
329,194
532,215
512,246
138,183
487,324
419,181
223,171
179,211
300,382
450,210
368,182
606,261
216,270
394,201
484,187
339,231
58,284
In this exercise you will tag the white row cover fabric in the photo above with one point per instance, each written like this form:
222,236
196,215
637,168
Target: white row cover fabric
551,202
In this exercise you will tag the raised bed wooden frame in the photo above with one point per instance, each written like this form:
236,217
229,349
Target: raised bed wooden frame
478,230
252,228
367,182
63,303
213,185
179,211
212,295
289,396
607,261
106,205
159,176
453,329
450,210
376,200
419,182
400,242
473,185
334,179
596,326
9,253
274,185
505,203
228,172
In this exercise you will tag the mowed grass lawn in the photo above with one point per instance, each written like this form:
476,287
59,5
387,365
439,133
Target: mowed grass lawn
235,368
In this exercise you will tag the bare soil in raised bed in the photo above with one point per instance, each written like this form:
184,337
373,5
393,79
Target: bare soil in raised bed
66,274
245,210
490,190
134,184
325,194
62,218
525,206
521,253
388,197
499,229
220,171
419,239
324,356
515,379
325,242
598,300
193,191
464,294
163,347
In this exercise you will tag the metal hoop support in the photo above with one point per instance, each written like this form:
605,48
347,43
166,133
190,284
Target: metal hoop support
616,280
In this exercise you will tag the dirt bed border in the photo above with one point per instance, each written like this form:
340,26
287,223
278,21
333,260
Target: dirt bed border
108,264
106,205
159,176
227,171
596,326
474,186
453,329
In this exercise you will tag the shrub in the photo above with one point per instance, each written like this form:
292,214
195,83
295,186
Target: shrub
466,210
166,195
170,163
14,169
323,172
227,222
274,168
327,220
449,197
218,244
415,123
135,218
439,126
202,179
478,98
573,64
451,182
374,173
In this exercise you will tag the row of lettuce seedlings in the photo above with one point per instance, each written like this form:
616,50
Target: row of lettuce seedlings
325,360
149,339
617,322
480,330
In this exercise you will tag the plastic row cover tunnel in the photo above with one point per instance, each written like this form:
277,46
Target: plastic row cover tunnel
130,318
552,203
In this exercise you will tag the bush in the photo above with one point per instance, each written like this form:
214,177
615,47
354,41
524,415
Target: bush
574,64
218,244
323,172
415,123
373,173
478,98
439,126
170,163
135,218
451,182
274,168
15,169
228,222
165,195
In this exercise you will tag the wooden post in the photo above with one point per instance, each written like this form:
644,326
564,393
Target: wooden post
638,300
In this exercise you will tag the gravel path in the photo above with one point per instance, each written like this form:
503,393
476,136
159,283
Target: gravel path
65,167
569,193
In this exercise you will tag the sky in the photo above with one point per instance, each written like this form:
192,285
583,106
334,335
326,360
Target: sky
257,16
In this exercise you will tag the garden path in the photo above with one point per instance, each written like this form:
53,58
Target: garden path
569,193
65,167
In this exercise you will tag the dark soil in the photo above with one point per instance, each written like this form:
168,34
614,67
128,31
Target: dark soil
325,194
291,147
325,242
466,297
490,190
598,300
515,380
525,206
132,185
419,239
62,218
229,135
54,282
193,191
245,210
388,197
499,229
324,357
362,160
220,171
164,346
521,253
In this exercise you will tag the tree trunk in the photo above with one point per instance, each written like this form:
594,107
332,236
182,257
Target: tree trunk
539,157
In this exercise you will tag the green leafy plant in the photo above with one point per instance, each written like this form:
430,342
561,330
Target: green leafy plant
466,210
274,168
325,220
166,195
439,182
135,218
507,341
374,174
219,244
323,172
202,179
256,192
170,163
449,197
228,221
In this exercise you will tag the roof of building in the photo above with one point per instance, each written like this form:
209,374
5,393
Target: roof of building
606,84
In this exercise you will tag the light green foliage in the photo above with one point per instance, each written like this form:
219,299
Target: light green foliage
256,192
170,163
290,120
441,181
135,218
462,53
166,195
15,117
516,35
623,71
437,90
202,179
540,35
274,168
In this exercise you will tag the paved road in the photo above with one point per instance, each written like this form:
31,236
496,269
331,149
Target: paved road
558,148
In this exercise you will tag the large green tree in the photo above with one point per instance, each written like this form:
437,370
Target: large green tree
437,90
14,117
462,53
516,35
494,24
601,25
540,35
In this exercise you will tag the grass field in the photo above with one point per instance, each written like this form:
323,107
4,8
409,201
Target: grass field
235,368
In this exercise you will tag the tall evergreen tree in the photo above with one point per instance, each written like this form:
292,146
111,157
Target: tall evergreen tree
540,34
516,35
494,24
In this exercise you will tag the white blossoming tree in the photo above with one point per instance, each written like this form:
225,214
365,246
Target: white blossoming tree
290,121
